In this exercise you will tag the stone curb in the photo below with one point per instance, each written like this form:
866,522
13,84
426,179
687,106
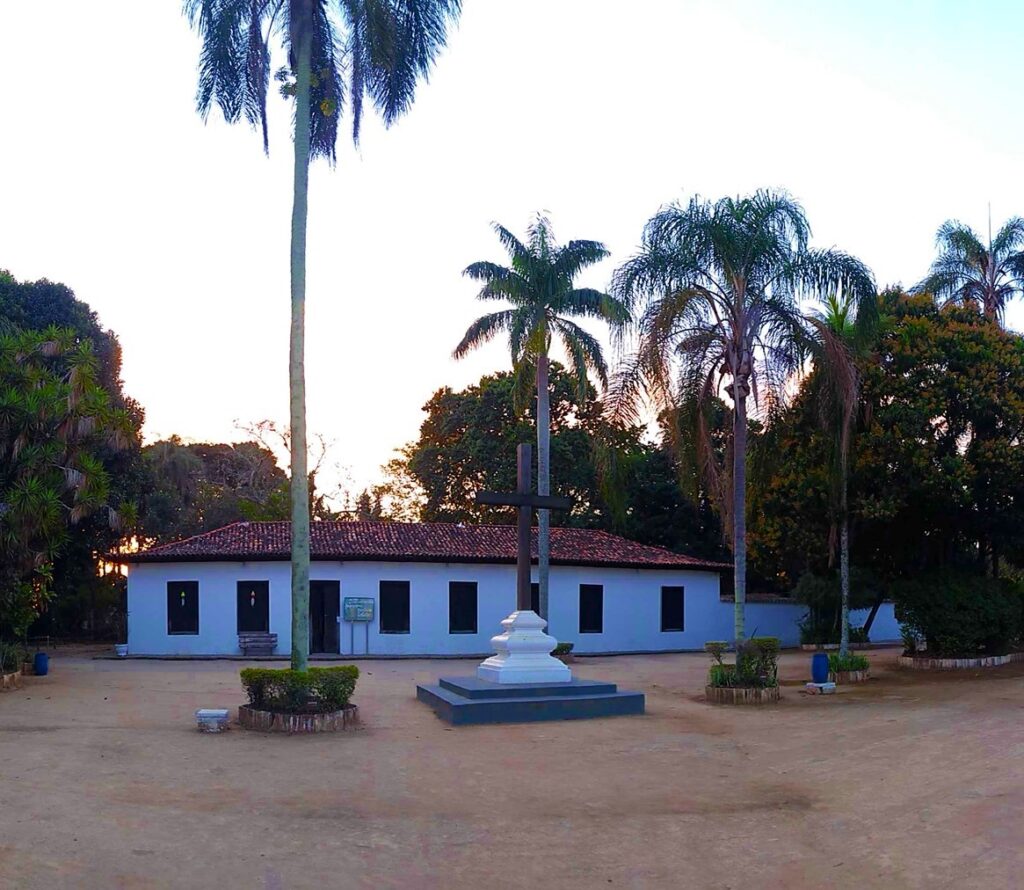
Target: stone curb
269,721
923,663
738,695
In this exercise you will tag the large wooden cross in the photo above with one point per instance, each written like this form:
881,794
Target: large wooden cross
526,502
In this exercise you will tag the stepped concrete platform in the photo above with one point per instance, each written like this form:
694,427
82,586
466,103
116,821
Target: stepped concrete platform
467,700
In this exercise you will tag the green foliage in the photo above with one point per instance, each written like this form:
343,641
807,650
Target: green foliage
79,597
981,276
961,615
291,691
716,649
56,422
756,664
617,482
722,675
715,289
848,662
563,649
821,595
539,284
12,656
937,476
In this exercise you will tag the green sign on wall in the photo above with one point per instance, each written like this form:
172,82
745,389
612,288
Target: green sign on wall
358,608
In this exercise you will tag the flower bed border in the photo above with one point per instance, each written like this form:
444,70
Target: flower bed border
741,695
834,647
271,721
924,663
10,681
841,677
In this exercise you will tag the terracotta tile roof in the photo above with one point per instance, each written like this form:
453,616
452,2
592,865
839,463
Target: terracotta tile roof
413,542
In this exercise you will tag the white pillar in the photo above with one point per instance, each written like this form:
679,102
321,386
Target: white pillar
523,653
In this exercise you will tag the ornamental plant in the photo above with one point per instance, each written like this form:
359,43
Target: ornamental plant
844,663
756,664
316,690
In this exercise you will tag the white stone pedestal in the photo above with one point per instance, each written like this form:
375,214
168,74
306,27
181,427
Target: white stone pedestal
523,653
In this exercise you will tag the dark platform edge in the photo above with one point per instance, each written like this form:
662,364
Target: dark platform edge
483,702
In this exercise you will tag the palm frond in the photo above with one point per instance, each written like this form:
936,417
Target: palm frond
483,330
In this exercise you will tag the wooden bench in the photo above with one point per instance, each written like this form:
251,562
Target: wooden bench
257,643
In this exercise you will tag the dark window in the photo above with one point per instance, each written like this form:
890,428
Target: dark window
673,602
253,606
394,607
535,597
591,608
462,607
182,607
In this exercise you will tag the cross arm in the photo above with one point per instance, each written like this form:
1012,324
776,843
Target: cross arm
514,499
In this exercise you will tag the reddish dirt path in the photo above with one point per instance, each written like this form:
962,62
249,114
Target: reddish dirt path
907,781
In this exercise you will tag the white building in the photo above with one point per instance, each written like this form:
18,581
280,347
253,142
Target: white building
389,588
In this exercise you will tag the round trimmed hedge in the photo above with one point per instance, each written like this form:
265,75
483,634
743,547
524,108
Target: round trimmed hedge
316,690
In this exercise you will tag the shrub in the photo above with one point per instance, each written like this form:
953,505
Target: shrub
12,655
316,689
716,649
756,664
820,593
562,649
848,662
722,675
960,615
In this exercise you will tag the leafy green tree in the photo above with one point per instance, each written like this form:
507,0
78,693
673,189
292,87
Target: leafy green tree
336,49
83,597
466,445
716,287
198,487
54,419
540,285
937,476
968,272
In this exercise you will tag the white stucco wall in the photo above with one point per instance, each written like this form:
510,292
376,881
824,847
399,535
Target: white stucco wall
632,608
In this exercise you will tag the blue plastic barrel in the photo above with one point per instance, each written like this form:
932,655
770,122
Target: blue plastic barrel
819,667
41,664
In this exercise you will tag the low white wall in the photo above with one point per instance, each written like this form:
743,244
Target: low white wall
632,608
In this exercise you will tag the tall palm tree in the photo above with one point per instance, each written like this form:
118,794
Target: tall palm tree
539,285
842,332
336,49
716,286
968,272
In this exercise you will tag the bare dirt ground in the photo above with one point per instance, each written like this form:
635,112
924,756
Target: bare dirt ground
907,781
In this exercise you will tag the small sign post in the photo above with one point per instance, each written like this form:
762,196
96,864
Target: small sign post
358,610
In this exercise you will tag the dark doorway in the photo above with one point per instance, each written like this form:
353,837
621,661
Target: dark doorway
324,600
253,606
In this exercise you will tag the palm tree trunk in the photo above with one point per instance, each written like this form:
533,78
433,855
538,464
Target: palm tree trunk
543,482
739,507
296,363
844,582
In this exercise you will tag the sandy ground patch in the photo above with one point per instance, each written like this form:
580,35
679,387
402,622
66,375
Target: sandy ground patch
907,781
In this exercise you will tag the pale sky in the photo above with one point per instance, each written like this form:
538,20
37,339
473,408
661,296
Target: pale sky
884,118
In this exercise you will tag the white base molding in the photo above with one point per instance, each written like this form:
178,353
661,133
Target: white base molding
523,653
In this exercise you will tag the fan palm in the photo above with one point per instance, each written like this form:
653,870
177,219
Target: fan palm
841,333
716,287
968,272
337,50
539,283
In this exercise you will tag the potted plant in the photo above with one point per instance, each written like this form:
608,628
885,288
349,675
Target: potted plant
849,668
754,677
286,700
